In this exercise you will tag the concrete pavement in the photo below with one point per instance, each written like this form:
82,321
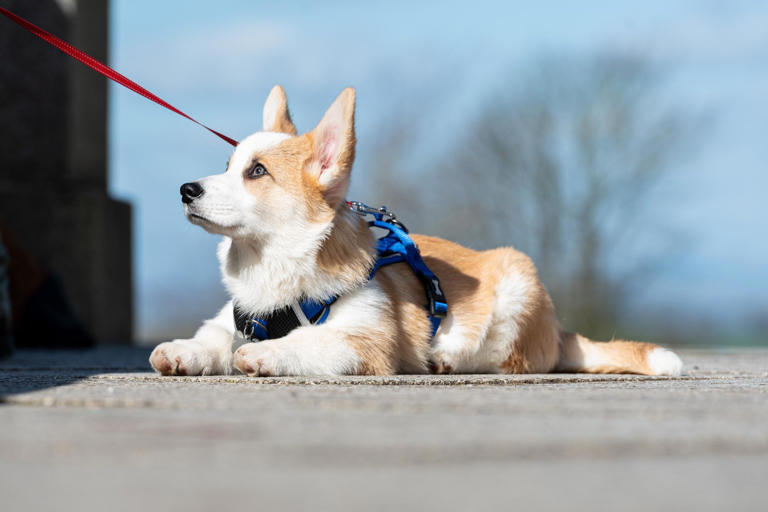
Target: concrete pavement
89,430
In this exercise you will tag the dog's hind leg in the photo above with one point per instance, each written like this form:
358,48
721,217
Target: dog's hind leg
456,343
208,352
580,354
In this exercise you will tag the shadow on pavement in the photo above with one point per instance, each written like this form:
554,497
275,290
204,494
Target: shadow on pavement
34,370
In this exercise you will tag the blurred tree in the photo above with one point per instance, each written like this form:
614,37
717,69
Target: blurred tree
560,164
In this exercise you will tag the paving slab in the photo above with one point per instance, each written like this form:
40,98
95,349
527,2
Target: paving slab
94,429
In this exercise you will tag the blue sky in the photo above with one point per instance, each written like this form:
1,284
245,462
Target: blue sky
217,61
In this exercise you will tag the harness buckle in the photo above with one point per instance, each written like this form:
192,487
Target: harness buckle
438,305
249,330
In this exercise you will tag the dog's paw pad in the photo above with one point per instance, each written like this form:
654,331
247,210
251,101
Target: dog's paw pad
256,360
181,369
160,362
440,364
172,358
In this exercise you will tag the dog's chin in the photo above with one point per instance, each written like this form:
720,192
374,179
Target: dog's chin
215,228
206,223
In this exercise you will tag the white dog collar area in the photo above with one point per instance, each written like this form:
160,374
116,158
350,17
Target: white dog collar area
395,247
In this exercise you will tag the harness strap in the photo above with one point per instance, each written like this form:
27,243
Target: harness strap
282,321
395,247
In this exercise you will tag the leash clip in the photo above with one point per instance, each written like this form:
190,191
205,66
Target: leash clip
381,213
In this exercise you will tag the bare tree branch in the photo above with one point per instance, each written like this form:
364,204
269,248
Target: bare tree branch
561,164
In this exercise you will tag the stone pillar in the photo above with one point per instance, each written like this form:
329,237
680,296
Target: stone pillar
89,29
53,161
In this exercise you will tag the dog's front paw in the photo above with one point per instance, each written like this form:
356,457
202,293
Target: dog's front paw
441,362
183,357
258,360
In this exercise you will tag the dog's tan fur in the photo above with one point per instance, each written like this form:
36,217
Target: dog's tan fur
501,318
468,278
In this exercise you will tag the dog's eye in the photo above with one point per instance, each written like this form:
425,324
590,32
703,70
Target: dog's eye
257,171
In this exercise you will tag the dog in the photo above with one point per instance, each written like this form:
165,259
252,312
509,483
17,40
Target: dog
288,235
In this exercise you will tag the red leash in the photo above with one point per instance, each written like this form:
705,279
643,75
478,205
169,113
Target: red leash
103,68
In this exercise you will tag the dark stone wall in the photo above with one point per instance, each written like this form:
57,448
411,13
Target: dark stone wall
53,162
34,95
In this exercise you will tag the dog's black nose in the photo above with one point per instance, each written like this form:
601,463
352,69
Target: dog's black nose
190,191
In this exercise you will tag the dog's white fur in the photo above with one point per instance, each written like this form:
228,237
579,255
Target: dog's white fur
664,362
273,238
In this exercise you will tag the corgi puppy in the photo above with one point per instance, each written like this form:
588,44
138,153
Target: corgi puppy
288,235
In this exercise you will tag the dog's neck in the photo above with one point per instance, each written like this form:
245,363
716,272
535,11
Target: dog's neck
332,261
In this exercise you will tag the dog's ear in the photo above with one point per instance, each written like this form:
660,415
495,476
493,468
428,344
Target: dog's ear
333,146
276,117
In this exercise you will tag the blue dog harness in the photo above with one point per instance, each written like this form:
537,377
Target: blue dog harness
395,247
